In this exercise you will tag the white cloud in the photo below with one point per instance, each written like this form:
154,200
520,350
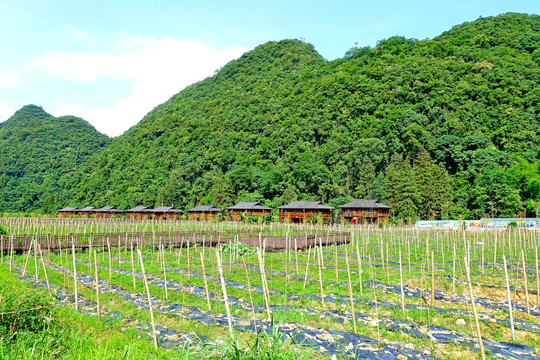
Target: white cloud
156,69
9,80
5,111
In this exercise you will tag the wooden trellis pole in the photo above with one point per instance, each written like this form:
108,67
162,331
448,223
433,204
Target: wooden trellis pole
475,314
206,283
74,274
350,289
97,285
224,289
154,335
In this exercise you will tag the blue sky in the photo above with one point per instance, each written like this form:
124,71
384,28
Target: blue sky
110,62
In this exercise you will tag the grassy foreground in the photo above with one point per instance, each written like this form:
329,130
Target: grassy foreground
32,327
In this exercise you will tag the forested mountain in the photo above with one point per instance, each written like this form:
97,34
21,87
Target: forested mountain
38,155
447,127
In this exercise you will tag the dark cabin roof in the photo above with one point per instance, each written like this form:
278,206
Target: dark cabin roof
165,210
365,204
205,208
109,209
88,209
249,206
310,205
138,209
68,209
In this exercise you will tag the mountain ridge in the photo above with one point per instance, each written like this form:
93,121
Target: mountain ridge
39,152
281,123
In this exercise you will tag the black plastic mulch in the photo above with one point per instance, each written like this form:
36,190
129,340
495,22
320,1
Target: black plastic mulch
328,341
434,333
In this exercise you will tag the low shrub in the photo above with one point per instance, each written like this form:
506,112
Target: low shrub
23,309
239,248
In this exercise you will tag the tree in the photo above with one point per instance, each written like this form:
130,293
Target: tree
366,177
434,187
495,193
378,190
402,190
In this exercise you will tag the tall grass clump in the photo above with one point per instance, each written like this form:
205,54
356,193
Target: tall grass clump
270,344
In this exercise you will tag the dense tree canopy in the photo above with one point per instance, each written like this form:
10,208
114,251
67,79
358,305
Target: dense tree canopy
39,154
439,128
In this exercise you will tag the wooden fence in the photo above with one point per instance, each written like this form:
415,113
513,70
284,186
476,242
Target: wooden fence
20,243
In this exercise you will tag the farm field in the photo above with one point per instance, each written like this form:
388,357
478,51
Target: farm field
329,292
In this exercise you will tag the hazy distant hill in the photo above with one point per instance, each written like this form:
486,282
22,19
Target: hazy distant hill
281,123
38,154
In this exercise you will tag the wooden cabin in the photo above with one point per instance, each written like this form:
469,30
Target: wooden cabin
86,211
68,212
107,212
365,212
164,213
138,212
204,213
299,212
247,208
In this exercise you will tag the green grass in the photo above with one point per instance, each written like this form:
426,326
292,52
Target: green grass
418,275
67,334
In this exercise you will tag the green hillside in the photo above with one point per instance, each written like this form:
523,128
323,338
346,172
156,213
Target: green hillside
38,155
447,127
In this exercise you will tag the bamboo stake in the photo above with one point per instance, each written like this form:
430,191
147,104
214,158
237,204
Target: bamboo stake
188,261
336,263
307,267
296,256
11,255
495,251
249,289
432,278
74,275
401,285
205,283
387,264
44,269
454,270
525,281
224,289
265,293
359,260
110,260
164,272
36,265
320,279
27,258
154,335
537,278
119,251
409,254
350,289
482,257
374,290
263,258
478,332
133,269
97,285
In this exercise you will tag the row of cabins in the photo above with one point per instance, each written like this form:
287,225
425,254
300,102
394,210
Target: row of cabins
355,212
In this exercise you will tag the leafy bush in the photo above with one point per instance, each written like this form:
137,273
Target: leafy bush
254,219
23,310
239,248
512,224
3,231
